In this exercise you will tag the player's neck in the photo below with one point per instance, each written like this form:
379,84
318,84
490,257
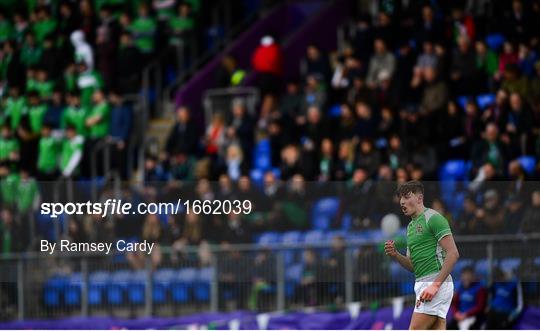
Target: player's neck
419,211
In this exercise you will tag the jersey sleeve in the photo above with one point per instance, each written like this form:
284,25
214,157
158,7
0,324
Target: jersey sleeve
438,225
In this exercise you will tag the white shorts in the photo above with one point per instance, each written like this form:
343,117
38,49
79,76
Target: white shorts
440,304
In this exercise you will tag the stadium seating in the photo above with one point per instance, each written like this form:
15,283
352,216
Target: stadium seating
203,283
485,100
324,211
528,163
182,287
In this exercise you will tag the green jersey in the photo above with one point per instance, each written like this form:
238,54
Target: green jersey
27,192
101,128
15,109
8,189
76,117
71,155
48,155
8,146
36,114
44,28
88,82
143,30
423,235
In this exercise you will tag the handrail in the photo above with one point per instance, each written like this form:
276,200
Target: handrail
206,56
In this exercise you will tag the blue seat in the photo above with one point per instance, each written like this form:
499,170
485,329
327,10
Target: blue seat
181,290
291,237
375,235
357,237
323,212
72,294
115,291
335,111
510,264
163,279
53,290
268,238
97,283
293,275
485,100
256,176
331,234
528,163
137,287
495,41
202,285
482,267
455,169
314,236
462,101
263,160
346,222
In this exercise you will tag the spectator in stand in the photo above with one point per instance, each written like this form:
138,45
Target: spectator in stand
489,219
55,109
11,65
505,302
181,27
267,61
435,95
490,149
381,61
469,302
48,154
71,153
121,125
316,63
83,50
465,221
498,111
240,130
127,58
264,279
518,125
9,145
153,233
463,68
428,58
517,23
514,81
531,219
10,233
513,214
183,135
144,28
429,28
307,290
487,64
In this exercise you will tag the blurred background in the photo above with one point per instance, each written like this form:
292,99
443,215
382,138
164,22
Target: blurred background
314,111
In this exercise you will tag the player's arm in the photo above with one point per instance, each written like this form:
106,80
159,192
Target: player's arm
452,255
405,261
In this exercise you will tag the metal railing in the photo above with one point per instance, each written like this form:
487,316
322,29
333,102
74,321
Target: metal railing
179,280
221,100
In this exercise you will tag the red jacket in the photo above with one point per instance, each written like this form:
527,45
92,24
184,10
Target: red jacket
268,59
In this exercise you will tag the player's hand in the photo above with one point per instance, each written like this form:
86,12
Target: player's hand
390,248
430,292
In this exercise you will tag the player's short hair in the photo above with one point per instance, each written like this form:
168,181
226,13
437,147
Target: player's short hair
412,186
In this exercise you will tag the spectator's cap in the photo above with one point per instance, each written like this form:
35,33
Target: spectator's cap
267,40
490,194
